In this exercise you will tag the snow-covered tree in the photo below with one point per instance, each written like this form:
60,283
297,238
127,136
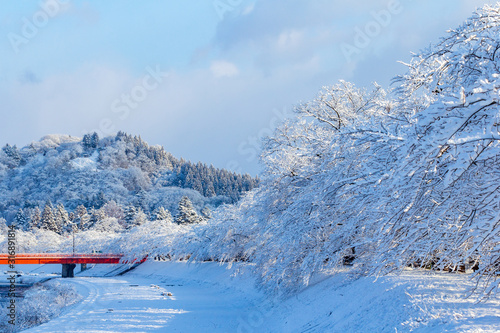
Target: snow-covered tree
61,217
162,214
446,212
139,218
90,141
48,219
82,218
12,157
99,200
21,221
321,169
87,141
35,218
108,225
3,226
95,140
96,216
206,213
112,209
129,215
187,214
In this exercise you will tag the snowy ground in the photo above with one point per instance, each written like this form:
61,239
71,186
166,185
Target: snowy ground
206,299
139,301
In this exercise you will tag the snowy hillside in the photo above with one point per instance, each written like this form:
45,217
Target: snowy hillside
90,172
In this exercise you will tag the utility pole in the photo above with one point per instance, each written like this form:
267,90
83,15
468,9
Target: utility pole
73,233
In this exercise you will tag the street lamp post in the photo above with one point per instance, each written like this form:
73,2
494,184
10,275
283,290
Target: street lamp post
73,226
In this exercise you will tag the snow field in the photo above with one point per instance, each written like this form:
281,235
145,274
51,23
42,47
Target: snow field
209,298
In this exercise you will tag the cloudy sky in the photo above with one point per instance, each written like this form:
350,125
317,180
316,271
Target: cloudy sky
204,78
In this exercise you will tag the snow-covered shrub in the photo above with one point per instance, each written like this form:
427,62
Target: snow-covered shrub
228,237
152,239
41,303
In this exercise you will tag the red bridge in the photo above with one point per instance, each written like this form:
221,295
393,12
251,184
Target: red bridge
68,261
60,258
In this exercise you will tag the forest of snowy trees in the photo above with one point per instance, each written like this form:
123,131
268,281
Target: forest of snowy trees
62,181
375,179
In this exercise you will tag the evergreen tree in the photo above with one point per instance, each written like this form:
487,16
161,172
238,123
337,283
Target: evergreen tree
62,217
82,218
143,200
139,218
187,213
90,141
162,214
96,217
13,156
99,200
209,190
130,212
35,219
94,140
48,220
87,141
21,221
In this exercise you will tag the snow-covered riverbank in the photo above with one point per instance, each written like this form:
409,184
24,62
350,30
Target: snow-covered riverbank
180,297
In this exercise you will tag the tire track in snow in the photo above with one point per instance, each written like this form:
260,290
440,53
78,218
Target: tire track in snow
114,305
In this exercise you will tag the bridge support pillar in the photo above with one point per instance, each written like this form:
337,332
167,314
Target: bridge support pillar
68,270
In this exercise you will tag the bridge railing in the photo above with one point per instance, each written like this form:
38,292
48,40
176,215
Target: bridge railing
61,258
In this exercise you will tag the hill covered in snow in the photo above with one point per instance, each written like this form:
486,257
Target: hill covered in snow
123,170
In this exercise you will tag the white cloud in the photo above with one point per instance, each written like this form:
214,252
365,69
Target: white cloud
290,39
64,103
248,9
224,69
